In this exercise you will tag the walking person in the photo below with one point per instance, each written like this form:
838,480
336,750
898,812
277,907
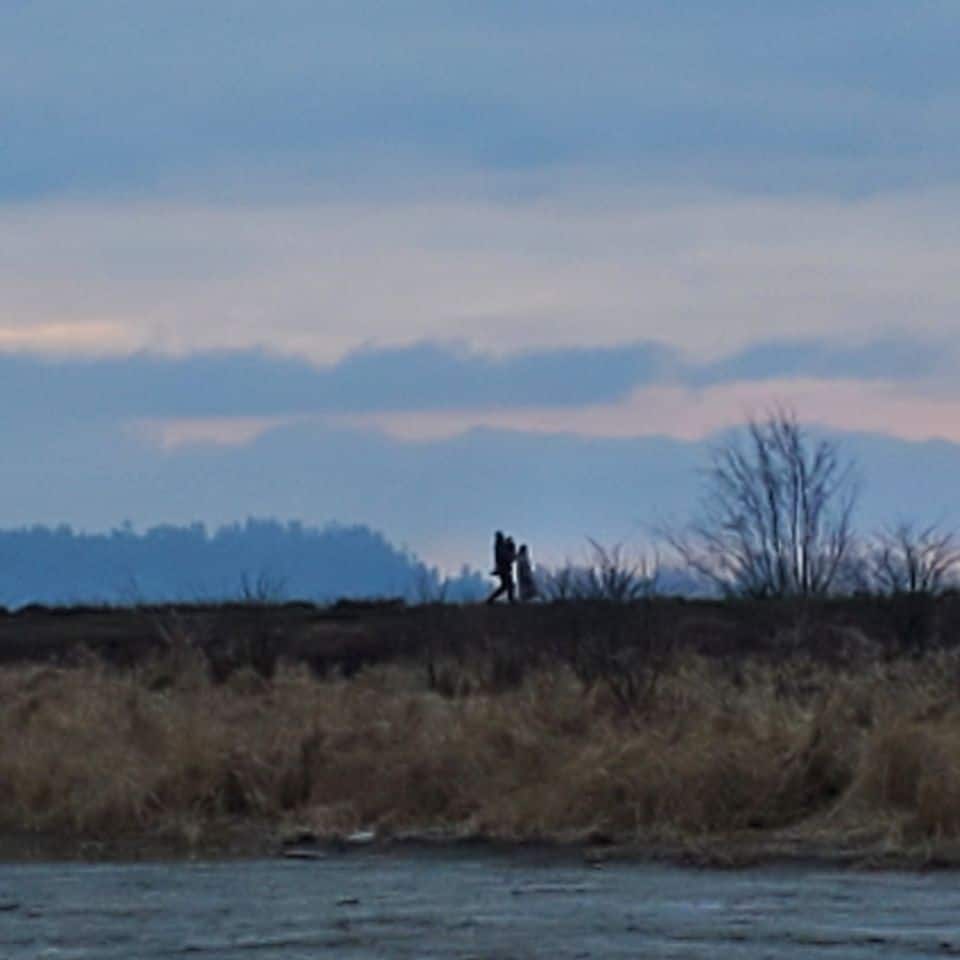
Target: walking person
526,582
504,555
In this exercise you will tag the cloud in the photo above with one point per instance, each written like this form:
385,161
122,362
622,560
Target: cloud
706,275
899,358
426,376
110,97
691,413
435,389
250,387
61,338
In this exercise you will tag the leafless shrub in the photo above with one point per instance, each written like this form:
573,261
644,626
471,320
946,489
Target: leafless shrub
776,516
614,577
610,575
910,567
561,585
264,589
249,640
910,559
612,638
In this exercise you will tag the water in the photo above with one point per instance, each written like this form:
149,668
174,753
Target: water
469,905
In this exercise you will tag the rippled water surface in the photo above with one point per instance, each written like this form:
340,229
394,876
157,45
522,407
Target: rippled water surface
368,904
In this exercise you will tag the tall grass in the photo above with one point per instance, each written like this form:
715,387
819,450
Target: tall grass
794,748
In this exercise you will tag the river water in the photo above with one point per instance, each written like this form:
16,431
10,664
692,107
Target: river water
366,904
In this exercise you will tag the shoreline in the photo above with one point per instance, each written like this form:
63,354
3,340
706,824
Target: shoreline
239,842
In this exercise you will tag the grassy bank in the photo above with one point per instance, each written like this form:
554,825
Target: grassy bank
793,755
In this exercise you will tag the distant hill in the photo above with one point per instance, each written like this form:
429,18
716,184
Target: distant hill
261,558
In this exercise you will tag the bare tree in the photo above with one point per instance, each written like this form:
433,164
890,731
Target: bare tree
776,517
910,559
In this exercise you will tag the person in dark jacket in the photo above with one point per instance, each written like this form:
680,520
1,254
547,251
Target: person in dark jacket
504,555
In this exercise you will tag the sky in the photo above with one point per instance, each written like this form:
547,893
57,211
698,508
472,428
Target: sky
443,267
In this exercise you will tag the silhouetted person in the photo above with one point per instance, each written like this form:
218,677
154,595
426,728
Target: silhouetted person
525,582
504,554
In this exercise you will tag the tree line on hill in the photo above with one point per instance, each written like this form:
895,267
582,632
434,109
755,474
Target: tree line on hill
260,559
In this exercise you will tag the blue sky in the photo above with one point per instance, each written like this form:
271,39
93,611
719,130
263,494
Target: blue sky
388,226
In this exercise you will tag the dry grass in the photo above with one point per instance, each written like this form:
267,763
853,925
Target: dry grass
91,751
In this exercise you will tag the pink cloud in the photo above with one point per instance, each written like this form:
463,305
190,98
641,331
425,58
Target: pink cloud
692,414
674,411
88,337
207,431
